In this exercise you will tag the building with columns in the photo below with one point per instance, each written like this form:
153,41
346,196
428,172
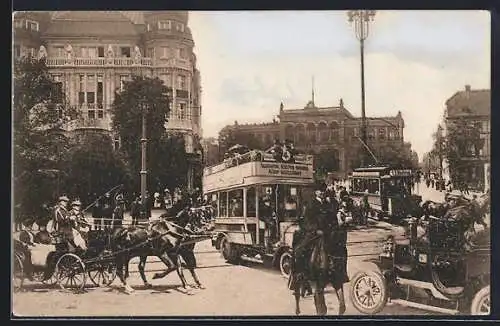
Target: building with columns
315,129
92,53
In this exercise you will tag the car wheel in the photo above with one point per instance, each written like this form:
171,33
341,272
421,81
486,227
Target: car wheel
481,304
369,292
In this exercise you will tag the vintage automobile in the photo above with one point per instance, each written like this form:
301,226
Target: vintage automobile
431,267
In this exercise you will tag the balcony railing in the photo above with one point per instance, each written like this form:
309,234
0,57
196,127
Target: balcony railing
119,62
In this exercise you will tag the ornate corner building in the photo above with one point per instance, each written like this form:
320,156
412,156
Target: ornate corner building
473,105
91,53
315,129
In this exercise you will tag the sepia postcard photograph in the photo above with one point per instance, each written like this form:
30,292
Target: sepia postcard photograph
250,163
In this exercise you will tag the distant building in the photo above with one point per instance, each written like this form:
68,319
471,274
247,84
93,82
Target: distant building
315,129
474,106
210,151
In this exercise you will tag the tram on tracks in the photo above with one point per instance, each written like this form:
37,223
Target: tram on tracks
238,188
387,189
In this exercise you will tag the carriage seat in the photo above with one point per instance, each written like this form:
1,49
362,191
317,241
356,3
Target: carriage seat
40,252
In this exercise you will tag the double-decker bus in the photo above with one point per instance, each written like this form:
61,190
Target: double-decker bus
388,190
238,188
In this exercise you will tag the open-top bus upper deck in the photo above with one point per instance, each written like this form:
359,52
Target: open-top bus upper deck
257,167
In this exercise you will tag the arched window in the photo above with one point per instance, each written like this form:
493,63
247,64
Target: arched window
324,133
301,134
334,130
311,132
381,133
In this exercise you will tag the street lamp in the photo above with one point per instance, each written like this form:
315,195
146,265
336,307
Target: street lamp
361,21
144,141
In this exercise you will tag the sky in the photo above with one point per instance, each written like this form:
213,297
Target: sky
252,61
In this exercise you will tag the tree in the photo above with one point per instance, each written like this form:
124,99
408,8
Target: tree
166,159
40,114
326,161
463,140
95,166
232,137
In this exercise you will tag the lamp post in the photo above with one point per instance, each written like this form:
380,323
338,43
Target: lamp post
144,141
361,21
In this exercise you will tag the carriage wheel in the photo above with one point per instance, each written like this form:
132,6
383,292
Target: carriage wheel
481,304
103,274
369,292
18,274
286,263
70,272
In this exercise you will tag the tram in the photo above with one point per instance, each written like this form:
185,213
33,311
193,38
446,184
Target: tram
240,186
387,189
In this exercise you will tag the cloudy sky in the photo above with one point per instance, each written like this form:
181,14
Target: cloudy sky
414,61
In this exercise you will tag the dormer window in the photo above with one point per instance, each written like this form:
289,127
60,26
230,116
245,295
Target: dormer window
32,25
167,24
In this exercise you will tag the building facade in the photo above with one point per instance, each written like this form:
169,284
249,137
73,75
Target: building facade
210,151
475,107
92,53
316,129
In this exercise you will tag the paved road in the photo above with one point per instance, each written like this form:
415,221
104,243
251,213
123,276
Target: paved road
246,289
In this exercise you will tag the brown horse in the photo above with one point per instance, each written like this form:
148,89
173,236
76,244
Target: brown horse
157,240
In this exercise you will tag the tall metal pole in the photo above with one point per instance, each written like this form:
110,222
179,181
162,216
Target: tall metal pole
144,171
361,20
363,112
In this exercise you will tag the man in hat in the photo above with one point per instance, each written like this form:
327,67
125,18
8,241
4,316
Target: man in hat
107,210
118,213
135,210
266,215
63,223
298,282
76,214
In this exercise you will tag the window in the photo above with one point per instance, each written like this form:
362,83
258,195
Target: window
90,52
116,143
181,111
167,79
57,89
181,82
123,80
91,88
32,25
148,27
100,51
17,51
164,52
183,53
19,23
223,204
59,52
381,133
251,202
151,52
99,89
179,27
125,52
167,24
31,52
214,202
371,133
236,203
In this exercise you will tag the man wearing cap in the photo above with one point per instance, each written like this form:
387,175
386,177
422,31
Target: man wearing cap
266,215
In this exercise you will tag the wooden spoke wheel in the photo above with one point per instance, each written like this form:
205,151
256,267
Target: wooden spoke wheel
481,304
286,264
70,272
103,274
369,292
18,274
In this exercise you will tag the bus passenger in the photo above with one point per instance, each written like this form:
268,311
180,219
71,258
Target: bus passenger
267,214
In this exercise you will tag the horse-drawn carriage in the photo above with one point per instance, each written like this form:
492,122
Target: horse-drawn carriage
435,266
56,263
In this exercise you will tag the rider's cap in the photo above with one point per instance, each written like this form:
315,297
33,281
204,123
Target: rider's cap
76,203
64,198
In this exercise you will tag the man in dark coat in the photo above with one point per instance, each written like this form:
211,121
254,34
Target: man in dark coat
135,210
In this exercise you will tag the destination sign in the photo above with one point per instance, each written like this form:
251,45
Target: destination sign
401,173
284,170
